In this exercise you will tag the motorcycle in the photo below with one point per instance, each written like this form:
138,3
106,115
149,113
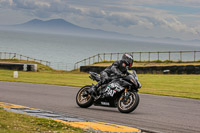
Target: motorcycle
121,92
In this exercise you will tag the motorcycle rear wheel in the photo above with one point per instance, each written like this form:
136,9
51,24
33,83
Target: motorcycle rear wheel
130,104
84,102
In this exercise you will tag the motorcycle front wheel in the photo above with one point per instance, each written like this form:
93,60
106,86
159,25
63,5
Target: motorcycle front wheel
84,101
128,104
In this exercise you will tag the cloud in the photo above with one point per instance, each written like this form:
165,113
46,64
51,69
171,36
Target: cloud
171,22
39,8
191,3
123,19
119,13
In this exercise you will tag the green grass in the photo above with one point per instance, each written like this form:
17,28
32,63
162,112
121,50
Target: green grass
40,66
151,63
187,86
57,78
20,123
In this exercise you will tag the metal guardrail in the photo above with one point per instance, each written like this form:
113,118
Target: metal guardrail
142,56
6,55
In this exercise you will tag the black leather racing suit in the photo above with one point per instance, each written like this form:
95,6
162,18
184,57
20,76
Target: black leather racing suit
116,69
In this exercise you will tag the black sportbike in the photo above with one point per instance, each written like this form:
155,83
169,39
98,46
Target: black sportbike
121,92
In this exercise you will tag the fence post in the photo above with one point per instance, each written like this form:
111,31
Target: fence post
89,60
194,55
98,57
93,59
117,56
180,55
149,56
133,55
158,55
111,57
85,62
15,55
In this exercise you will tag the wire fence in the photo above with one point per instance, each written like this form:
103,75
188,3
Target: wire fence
62,66
142,56
6,55
54,65
138,56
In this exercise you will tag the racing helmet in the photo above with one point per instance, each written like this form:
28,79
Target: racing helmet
128,59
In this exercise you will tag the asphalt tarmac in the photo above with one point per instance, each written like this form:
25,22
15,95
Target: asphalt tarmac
154,113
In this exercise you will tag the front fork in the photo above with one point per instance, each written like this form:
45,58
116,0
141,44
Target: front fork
126,95
125,91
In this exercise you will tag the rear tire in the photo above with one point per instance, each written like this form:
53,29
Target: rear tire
84,102
129,105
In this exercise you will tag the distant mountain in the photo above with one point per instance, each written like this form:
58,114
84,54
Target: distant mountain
60,26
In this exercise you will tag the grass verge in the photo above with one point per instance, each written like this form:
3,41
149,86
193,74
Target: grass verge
151,63
20,123
187,86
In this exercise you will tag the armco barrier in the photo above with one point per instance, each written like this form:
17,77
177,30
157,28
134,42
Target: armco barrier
188,69
19,66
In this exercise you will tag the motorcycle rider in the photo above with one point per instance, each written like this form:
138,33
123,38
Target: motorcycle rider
117,69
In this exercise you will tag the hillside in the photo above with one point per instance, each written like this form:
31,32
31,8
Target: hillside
60,26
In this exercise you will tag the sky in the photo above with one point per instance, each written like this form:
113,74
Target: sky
145,18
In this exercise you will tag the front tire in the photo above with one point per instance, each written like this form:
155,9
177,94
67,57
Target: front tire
84,102
130,104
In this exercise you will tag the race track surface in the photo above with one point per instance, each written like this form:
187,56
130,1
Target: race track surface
154,113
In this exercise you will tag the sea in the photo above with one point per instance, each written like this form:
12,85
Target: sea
63,51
